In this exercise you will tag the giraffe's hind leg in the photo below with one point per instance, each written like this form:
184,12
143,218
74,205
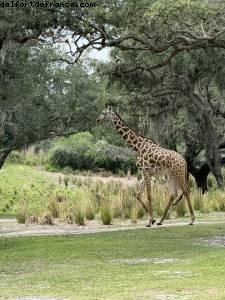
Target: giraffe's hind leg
173,188
187,196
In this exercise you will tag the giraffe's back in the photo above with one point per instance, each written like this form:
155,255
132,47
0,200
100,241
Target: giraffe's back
160,161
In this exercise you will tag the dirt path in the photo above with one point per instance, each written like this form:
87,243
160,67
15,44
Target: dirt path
10,227
55,176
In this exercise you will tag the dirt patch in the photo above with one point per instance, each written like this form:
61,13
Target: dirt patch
37,298
151,260
55,176
216,241
162,295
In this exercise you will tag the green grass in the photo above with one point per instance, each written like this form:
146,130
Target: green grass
111,265
17,181
28,191
24,188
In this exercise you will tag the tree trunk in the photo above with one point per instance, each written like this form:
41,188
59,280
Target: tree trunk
213,155
3,157
201,176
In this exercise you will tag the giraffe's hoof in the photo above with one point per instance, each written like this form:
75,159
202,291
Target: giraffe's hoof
148,225
159,223
153,222
191,223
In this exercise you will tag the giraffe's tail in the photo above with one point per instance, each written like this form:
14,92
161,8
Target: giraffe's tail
187,175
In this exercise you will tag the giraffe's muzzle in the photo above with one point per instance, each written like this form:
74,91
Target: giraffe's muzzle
99,118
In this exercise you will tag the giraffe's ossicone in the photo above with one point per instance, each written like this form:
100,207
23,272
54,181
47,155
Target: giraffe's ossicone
153,160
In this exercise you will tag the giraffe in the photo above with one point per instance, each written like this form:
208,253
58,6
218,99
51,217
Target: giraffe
153,160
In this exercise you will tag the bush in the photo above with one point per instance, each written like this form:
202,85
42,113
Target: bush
53,207
90,214
181,209
81,152
21,212
79,216
140,213
106,216
198,203
21,216
134,215
47,219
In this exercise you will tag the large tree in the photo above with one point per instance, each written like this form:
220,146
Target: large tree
180,105
41,99
158,30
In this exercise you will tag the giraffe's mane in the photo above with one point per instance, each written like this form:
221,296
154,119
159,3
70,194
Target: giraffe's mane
153,141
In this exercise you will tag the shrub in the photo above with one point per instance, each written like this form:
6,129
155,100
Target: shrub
47,219
66,180
21,212
106,216
114,158
140,213
117,210
181,209
221,204
81,152
198,204
53,207
90,214
21,216
32,220
134,215
79,216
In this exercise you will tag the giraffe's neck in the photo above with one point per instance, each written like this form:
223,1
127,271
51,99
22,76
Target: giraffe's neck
130,136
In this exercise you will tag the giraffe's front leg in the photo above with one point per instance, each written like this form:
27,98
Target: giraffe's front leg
150,208
140,192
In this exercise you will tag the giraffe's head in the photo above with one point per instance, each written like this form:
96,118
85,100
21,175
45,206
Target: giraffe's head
107,114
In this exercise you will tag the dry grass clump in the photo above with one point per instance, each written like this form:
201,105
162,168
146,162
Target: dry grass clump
46,219
181,209
90,212
77,200
53,206
22,211
106,216
79,217
32,220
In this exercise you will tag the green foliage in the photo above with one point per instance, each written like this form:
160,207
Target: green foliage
81,152
90,213
134,215
79,216
53,207
198,203
181,209
34,195
106,216
21,214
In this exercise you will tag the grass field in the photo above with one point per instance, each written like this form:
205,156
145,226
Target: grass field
27,191
165,263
